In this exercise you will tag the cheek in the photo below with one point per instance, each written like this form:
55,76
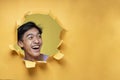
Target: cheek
27,44
41,41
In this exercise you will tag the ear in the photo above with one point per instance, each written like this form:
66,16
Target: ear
20,43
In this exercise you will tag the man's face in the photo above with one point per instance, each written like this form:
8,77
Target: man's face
31,42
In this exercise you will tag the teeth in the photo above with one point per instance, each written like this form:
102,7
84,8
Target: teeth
35,47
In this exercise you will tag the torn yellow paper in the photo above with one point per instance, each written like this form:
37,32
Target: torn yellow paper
60,43
41,61
29,64
17,49
58,56
12,47
32,64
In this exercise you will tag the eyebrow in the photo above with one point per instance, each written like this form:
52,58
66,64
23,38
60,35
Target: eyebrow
29,35
32,34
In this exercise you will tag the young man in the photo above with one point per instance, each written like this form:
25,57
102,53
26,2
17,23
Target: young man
29,39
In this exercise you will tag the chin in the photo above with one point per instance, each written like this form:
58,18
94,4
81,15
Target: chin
36,54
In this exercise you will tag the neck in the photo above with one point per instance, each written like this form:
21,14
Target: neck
31,58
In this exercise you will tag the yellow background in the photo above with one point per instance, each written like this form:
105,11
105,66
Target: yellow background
91,43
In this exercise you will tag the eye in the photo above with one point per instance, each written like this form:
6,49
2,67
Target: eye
39,36
30,37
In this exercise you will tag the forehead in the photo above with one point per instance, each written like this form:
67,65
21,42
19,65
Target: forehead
32,31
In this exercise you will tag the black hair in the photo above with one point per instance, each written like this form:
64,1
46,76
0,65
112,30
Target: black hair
25,27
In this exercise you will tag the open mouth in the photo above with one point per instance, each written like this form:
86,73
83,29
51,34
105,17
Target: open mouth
36,47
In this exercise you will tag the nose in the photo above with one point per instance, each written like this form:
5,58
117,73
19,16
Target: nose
36,40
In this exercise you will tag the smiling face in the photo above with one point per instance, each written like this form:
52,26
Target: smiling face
31,42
